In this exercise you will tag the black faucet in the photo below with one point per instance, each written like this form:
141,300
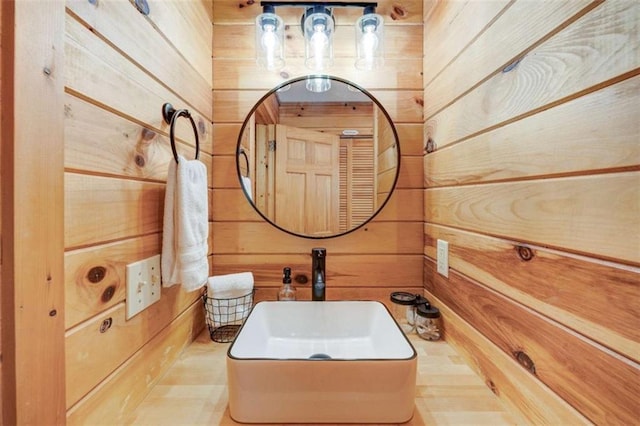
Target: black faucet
318,280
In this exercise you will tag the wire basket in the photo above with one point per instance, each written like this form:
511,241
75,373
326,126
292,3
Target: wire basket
225,316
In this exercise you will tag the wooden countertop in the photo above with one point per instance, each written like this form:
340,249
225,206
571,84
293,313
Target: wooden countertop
194,390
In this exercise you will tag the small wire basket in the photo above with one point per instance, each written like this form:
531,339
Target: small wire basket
225,316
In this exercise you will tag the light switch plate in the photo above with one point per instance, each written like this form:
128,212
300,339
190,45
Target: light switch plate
143,285
442,257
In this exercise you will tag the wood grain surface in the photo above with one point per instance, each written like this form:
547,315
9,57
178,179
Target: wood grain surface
447,391
533,113
32,97
121,67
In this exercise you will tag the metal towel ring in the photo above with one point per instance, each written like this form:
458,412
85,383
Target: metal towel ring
246,158
171,115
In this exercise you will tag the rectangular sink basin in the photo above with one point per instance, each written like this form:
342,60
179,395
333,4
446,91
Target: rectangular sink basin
321,362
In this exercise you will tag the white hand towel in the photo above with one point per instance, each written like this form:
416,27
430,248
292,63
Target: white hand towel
246,184
230,285
186,226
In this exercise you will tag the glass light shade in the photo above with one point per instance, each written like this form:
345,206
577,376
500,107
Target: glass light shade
270,41
369,42
318,41
318,84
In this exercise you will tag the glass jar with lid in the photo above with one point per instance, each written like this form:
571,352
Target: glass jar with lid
403,310
428,322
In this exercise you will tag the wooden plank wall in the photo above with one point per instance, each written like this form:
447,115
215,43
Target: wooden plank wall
371,262
1,139
32,233
120,68
535,184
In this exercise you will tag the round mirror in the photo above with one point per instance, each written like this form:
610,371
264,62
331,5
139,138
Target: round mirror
318,157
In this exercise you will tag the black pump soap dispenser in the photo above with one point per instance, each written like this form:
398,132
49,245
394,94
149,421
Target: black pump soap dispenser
287,291
318,280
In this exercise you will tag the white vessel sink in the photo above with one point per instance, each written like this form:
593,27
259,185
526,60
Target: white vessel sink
321,362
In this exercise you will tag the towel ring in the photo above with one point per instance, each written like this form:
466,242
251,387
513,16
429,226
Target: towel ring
171,115
246,159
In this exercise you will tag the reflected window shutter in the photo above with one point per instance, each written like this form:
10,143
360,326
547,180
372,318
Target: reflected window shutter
362,182
357,176
343,219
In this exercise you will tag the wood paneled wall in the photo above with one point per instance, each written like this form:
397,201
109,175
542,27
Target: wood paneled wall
32,233
535,184
371,262
1,139
120,68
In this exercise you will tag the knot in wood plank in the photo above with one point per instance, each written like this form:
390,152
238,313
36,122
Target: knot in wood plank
96,274
492,386
108,293
398,12
525,361
525,253
106,325
139,159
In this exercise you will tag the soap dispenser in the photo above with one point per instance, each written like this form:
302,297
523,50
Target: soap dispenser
287,291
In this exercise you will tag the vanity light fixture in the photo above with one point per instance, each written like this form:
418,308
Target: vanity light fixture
269,39
318,26
369,40
318,84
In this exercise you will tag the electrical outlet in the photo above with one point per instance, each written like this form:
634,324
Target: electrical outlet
143,285
442,258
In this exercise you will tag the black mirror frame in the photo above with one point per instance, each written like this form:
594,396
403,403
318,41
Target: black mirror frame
292,81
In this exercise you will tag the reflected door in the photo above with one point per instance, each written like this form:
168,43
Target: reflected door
307,181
